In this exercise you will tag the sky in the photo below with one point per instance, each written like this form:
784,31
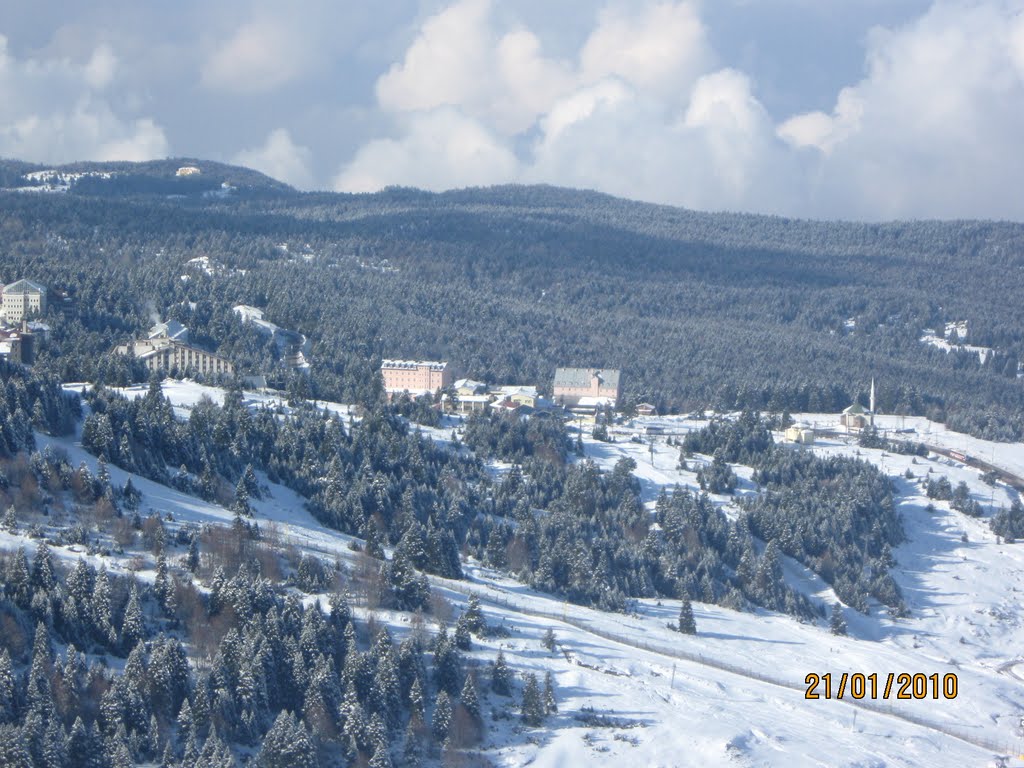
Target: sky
853,109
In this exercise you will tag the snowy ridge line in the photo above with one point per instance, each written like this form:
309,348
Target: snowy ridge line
724,666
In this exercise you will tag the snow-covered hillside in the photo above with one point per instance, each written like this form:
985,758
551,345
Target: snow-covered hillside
632,691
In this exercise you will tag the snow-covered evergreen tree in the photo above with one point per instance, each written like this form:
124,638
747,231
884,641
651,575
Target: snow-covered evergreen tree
550,704
687,623
837,622
501,676
532,708
442,718
132,627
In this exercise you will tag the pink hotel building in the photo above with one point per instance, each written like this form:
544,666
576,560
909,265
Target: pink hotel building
417,377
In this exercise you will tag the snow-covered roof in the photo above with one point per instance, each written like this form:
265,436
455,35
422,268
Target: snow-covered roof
515,389
24,286
171,329
596,401
581,377
411,364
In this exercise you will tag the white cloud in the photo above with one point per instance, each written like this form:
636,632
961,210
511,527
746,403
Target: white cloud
100,70
817,129
446,65
53,111
582,105
660,50
441,149
458,59
280,158
718,152
934,128
263,55
498,86
643,110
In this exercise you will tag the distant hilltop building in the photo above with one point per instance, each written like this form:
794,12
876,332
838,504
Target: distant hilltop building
417,377
586,386
164,355
188,170
23,298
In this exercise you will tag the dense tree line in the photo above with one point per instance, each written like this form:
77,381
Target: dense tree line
834,514
30,401
293,684
377,479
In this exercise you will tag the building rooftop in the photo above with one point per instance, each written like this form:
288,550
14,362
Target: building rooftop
24,286
516,389
411,364
171,329
580,377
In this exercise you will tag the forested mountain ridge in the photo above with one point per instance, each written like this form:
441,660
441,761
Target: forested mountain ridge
698,309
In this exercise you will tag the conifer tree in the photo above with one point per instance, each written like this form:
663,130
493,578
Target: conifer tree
501,676
837,622
376,731
532,708
381,756
412,749
470,701
42,568
39,695
14,748
132,628
548,640
447,672
462,637
442,720
416,698
190,754
241,504
186,723
162,589
550,704
54,750
687,624
102,614
192,558
78,743
10,520
19,581
7,687
252,486
475,617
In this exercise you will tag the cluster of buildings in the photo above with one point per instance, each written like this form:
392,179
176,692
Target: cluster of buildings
854,418
21,300
576,390
166,348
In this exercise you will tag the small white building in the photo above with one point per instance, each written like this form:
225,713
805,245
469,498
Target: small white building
801,434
